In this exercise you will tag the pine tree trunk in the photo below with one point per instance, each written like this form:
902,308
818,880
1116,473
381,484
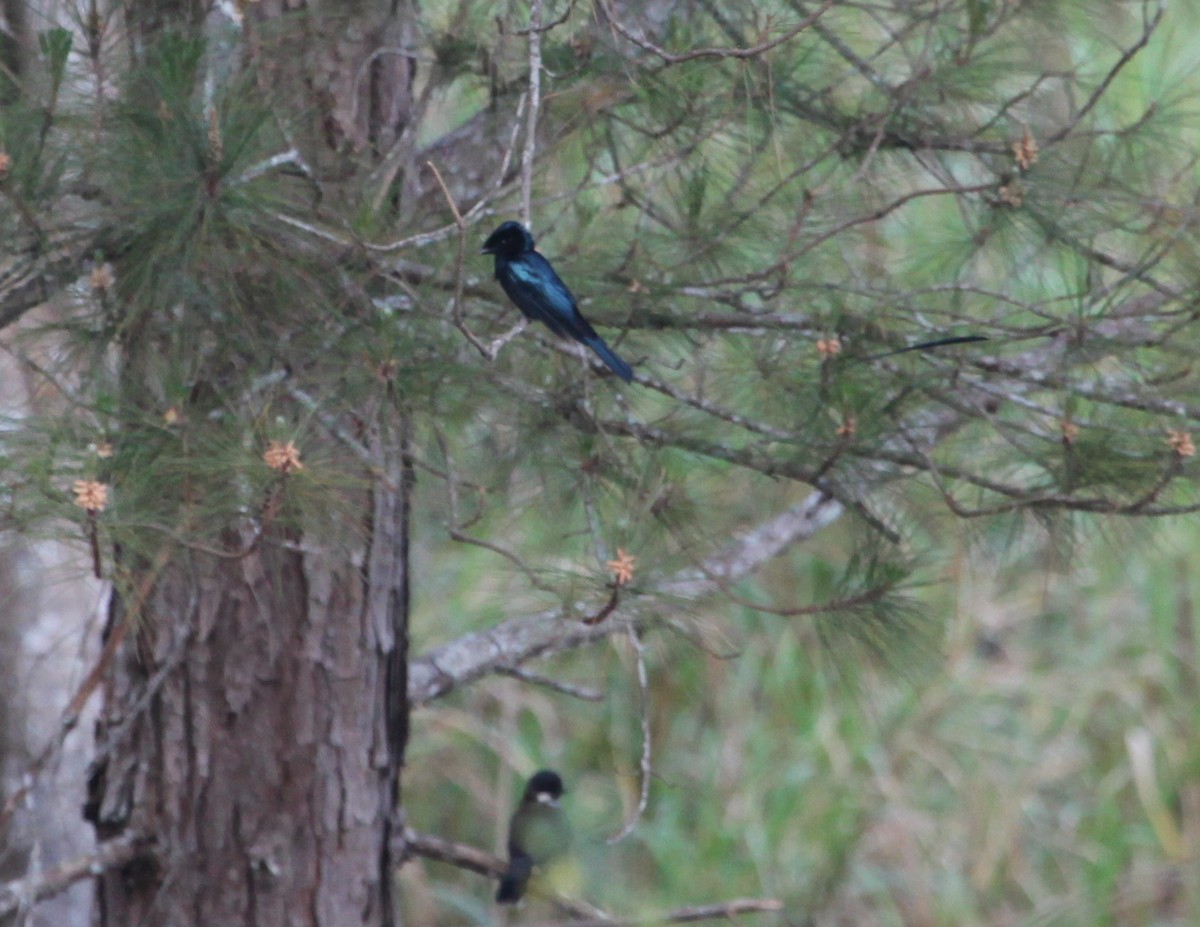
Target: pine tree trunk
254,728
255,713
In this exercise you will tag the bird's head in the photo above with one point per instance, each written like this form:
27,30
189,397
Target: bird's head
545,785
509,240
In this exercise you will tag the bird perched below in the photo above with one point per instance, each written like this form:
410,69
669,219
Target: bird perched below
540,294
537,833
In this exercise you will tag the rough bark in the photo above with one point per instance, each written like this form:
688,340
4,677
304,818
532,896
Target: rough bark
266,764
255,717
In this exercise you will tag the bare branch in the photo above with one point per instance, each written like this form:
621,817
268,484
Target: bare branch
460,257
291,156
508,644
332,426
553,24
845,51
725,910
518,640
755,548
462,855
490,351
20,893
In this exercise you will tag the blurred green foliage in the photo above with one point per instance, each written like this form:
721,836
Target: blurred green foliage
994,786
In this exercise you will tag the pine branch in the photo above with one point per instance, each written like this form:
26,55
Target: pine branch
518,640
678,58
724,910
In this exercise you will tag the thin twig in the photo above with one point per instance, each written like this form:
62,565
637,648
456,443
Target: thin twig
857,600
550,25
607,608
1102,88
460,259
696,402
451,477
468,857
723,911
535,102
461,855
23,892
464,538
422,239
506,161
593,521
291,156
490,351
557,685
671,58
846,52
93,537
639,652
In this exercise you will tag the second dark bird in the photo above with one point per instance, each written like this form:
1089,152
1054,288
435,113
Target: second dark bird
540,294
537,834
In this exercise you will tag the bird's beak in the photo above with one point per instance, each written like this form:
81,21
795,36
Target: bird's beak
485,250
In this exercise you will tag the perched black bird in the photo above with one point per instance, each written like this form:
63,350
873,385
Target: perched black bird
537,833
537,291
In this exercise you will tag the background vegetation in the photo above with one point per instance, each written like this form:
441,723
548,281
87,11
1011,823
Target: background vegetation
1044,773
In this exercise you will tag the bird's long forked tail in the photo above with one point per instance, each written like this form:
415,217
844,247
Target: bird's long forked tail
926,345
609,356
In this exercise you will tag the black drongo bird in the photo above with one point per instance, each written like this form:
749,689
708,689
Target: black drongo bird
537,291
537,833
